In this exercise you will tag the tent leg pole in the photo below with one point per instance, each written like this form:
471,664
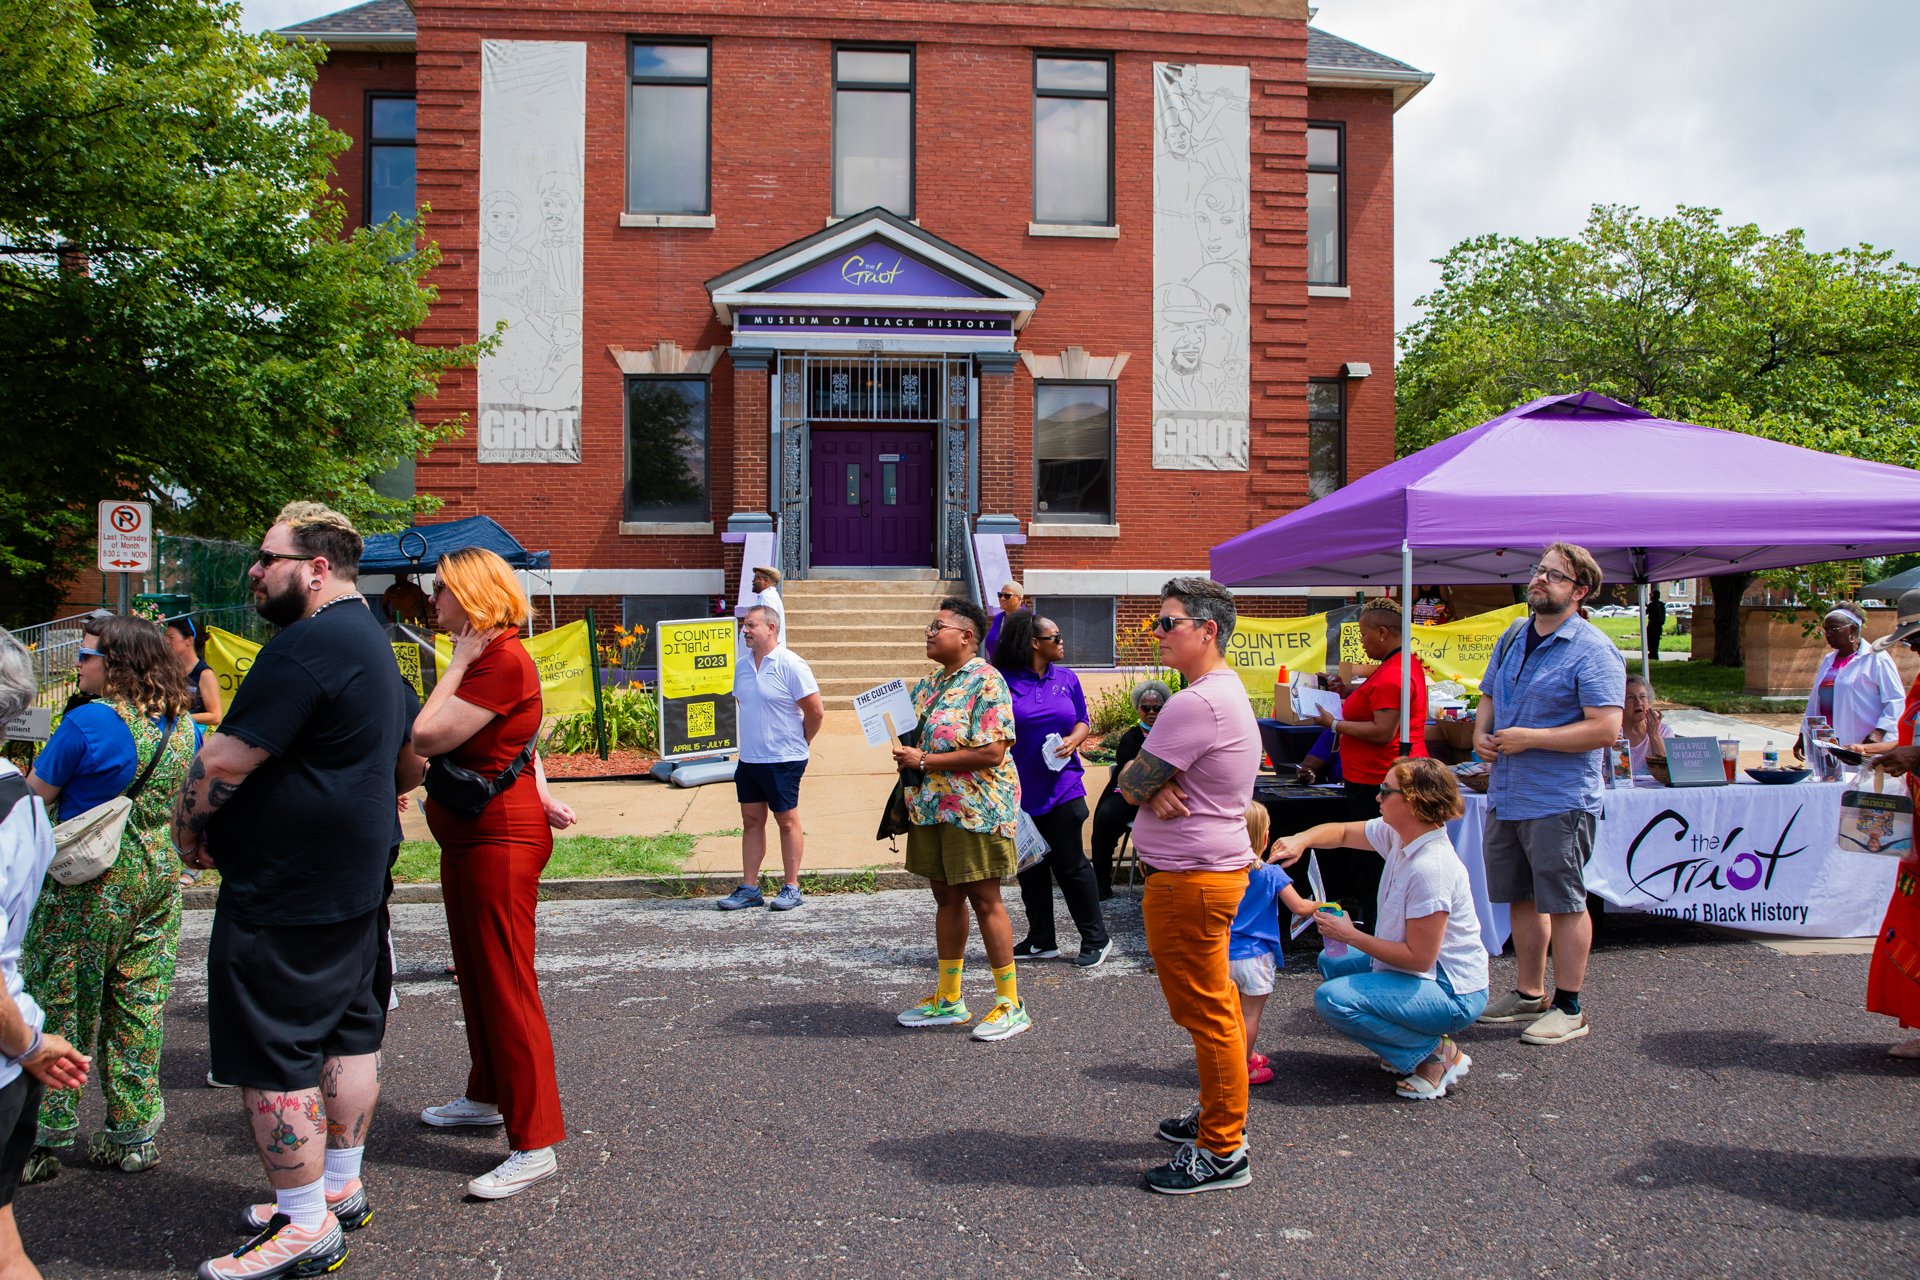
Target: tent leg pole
1646,654
1406,652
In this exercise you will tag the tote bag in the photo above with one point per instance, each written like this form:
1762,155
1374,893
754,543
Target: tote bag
86,846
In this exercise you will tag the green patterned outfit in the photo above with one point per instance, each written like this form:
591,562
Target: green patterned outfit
99,956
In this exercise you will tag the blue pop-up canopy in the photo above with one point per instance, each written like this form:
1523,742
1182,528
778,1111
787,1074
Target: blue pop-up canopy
416,550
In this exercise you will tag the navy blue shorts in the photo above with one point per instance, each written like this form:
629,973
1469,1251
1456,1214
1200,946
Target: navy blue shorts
777,786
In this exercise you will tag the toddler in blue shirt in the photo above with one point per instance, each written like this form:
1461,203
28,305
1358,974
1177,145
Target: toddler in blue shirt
1253,950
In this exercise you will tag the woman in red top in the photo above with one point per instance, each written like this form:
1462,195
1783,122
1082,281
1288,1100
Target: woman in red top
483,713
1369,729
1893,978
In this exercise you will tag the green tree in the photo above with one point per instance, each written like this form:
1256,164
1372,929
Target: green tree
180,317
1687,318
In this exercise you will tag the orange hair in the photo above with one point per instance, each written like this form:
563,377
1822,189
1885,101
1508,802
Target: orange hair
484,585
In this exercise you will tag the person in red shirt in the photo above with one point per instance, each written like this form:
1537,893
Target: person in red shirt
1369,729
483,715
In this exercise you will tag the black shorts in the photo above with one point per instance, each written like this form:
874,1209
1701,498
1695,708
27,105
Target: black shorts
20,1123
281,999
776,785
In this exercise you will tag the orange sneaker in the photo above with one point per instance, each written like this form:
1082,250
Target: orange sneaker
282,1250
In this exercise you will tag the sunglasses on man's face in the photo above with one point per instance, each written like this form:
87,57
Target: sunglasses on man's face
264,557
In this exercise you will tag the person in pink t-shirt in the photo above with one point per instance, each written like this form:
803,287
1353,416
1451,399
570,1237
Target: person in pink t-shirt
1192,780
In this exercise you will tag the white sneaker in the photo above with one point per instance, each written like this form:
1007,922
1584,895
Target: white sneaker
518,1172
462,1111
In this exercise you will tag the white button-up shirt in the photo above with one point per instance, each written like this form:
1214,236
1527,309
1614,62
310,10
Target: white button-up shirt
1866,695
26,848
769,692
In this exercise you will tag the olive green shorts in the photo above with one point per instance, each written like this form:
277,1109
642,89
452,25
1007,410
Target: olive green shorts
955,855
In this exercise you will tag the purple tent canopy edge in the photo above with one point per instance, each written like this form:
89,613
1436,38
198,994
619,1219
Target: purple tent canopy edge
1653,500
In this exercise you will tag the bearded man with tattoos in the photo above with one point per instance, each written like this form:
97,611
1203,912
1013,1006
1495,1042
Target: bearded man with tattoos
293,801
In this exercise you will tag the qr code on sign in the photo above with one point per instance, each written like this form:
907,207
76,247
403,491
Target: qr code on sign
700,719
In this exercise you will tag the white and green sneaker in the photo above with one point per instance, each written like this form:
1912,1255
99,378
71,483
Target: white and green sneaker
1004,1019
935,1012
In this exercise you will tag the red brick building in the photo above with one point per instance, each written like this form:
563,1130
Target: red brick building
1116,275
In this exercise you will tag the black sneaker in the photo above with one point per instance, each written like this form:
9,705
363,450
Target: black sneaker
1025,950
1194,1169
1094,957
1184,1127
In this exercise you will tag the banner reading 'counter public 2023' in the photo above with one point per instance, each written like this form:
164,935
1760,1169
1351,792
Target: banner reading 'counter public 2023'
1458,651
697,712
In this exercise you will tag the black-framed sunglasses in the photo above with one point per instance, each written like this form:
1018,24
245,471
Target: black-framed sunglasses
1165,625
264,557
1392,791
1150,708
1055,638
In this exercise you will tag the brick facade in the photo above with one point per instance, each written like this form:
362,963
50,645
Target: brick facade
771,112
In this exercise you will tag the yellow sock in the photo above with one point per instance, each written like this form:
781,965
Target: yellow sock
950,979
1004,986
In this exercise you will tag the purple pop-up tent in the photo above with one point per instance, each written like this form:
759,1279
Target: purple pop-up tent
1653,500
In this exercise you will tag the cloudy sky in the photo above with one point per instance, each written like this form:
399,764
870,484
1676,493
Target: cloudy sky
1779,112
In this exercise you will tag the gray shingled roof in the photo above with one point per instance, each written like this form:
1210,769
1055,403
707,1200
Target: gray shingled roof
1333,53
376,18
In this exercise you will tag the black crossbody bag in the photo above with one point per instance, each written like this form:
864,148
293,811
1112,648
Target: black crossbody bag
461,790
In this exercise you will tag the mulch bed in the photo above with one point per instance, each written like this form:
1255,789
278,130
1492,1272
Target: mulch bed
589,765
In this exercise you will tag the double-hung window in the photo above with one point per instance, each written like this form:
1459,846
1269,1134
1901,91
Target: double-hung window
669,128
872,130
391,134
667,461
1073,452
1326,436
1326,204
1073,140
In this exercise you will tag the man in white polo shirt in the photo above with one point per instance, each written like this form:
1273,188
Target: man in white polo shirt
780,711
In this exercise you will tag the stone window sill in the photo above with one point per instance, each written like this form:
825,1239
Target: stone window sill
693,221
1037,529
666,528
1072,230
1329,291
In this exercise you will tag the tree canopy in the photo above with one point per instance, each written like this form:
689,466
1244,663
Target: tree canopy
1683,316
180,316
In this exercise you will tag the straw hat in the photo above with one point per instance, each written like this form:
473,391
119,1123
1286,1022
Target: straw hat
767,571
1906,620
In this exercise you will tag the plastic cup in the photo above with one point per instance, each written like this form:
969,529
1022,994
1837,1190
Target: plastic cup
1730,757
1333,946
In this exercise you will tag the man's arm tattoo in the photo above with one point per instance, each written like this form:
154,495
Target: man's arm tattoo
1145,774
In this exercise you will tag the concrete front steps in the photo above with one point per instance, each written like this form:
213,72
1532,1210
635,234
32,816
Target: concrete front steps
856,633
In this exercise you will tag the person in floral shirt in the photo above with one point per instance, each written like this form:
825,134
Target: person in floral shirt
963,797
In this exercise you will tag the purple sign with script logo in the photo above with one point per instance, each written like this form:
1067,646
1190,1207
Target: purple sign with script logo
876,269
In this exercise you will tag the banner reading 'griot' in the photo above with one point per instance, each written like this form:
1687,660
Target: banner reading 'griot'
1201,262
532,155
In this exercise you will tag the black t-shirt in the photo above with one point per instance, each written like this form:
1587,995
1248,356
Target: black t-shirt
305,838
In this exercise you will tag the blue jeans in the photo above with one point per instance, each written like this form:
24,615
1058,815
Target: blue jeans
1397,1016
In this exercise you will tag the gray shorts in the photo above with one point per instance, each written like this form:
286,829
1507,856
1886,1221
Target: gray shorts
1542,860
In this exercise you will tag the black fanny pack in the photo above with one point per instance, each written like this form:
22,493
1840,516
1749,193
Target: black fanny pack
465,792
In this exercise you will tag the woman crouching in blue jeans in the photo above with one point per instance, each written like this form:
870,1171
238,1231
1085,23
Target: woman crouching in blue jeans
1403,990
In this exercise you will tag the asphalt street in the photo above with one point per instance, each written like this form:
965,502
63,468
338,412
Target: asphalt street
741,1103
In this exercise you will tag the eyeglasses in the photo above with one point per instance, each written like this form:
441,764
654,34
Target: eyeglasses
1008,595
264,557
1392,791
1165,624
1551,575
1055,638
935,628
92,653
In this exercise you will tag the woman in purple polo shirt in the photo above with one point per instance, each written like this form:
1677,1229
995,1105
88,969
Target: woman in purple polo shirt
1046,701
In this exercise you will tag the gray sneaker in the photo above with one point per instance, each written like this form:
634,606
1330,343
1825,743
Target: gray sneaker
1514,1007
747,895
787,899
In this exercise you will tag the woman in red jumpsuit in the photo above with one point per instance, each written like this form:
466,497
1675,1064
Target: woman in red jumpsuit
1893,979
483,715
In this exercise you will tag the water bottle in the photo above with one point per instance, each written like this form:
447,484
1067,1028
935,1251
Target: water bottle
1770,758
1333,946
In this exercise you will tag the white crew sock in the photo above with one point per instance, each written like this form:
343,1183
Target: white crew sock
343,1166
306,1206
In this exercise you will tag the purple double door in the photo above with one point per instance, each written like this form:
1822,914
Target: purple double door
872,501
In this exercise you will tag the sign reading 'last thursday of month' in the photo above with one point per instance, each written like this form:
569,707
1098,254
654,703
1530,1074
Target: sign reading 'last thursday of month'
125,537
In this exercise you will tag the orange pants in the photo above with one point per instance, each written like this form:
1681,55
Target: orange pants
1189,915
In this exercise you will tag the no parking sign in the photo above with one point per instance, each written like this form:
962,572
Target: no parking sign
125,543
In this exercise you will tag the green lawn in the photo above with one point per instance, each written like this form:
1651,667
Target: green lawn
1711,688
1626,634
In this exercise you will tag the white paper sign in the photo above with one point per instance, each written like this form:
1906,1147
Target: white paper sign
1309,703
35,724
126,537
876,704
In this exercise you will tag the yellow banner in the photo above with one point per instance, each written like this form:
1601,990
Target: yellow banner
1259,647
563,657
696,658
1457,651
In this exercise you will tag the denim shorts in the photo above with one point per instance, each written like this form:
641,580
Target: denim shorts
776,785
1542,860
